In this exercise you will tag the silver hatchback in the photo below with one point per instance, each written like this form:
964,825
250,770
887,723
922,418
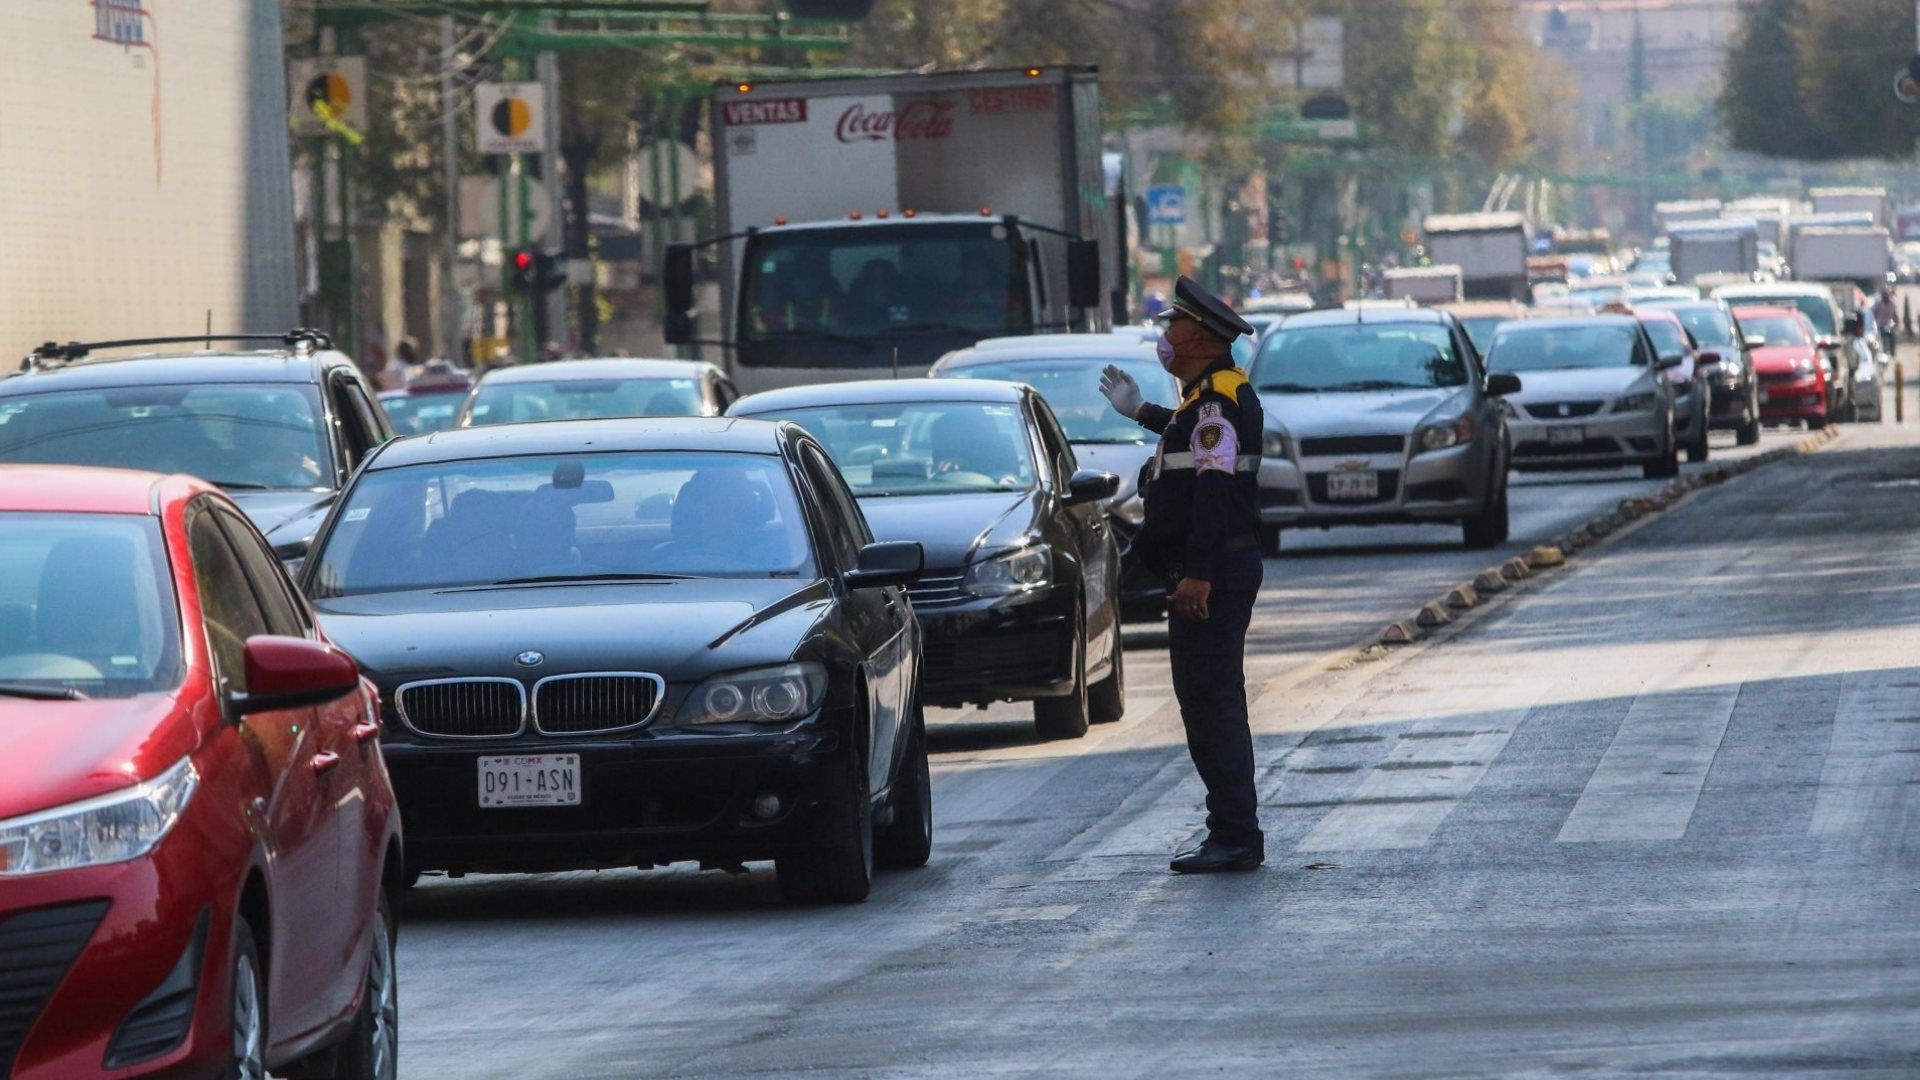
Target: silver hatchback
1378,417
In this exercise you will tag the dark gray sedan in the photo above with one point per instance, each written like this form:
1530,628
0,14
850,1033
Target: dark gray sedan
1380,416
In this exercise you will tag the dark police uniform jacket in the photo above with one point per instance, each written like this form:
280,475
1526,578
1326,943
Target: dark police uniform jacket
1202,486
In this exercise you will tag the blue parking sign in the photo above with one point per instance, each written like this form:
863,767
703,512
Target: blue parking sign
1167,204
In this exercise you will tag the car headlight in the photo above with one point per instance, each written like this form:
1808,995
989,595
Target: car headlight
1274,445
770,695
1440,436
108,829
1015,572
1132,509
1635,403
1803,366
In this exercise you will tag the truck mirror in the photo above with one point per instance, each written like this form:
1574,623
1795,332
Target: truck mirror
678,328
678,279
1083,273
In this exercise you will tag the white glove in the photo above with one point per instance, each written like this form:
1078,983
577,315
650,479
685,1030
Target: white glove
1121,392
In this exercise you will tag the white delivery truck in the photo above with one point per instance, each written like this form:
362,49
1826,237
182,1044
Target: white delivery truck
1860,254
1666,214
1424,285
1850,200
868,226
134,205
1803,223
1768,212
1722,246
1490,249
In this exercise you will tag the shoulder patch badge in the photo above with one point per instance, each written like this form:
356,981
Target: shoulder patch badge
1214,446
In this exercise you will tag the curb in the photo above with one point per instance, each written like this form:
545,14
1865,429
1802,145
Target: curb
1552,555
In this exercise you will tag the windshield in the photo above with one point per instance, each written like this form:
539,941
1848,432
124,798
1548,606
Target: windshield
565,516
581,399
1480,329
875,281
1817,309
1072,390
420,415
1777,329
1669,339
1358,357
1558,348
923,448
86,604
247,435
1710,326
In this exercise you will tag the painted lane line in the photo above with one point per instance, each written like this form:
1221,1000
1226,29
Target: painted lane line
1649,780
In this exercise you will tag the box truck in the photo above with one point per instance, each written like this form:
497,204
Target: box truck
868,226
1723,246
133,205
1844,200
1667,214
1490,249
1425,285
1860,254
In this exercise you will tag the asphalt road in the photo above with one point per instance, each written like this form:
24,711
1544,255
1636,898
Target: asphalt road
1660,813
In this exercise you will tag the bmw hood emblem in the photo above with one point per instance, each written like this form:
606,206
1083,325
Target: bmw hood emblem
530,658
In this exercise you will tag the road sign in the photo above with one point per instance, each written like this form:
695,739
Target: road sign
510,118
328,92
1167,204
480,209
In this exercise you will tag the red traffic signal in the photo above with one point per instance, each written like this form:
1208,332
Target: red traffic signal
536,271
523,261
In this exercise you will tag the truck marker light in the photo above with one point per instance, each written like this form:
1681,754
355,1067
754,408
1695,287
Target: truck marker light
879,213
745,88
907,213
781,220
855,215
1033,73
986,211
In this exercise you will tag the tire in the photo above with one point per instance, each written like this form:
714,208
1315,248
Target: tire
1270,541
838,869
247,1007
1749,431
1816,423
907,841
1107,700
1067,717
1850,412
1697,452
372,1047
1490,526
1667,465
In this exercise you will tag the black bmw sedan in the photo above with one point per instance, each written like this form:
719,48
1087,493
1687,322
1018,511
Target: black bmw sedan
634,642
1021,599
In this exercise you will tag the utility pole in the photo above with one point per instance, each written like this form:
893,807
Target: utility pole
452,304
547,70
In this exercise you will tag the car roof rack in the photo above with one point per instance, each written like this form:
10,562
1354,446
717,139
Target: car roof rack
54,354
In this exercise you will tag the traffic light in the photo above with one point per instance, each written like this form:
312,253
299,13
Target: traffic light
535,271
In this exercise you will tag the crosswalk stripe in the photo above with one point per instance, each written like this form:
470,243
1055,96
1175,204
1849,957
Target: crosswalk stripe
1649,780
1869,757
1153,819
1431,768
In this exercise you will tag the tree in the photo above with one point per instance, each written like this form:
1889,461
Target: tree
1813,81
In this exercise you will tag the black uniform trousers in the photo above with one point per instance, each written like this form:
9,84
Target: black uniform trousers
1209,679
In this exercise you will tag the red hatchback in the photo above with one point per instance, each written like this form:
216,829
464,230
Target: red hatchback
198,843
1787,360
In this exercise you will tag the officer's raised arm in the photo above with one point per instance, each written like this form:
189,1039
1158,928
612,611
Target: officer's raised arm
1127,400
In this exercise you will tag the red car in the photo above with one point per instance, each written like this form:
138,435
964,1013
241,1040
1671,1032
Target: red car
1787,359
198,842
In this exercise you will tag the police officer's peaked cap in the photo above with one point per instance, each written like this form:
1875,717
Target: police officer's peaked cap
1208,310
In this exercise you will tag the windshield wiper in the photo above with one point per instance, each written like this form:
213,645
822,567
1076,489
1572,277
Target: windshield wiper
1377,384
930,327
550,579
824,335
1290,388
41,693
241,485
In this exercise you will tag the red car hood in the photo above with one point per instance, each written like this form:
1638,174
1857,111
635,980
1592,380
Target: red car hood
57,752
1778,359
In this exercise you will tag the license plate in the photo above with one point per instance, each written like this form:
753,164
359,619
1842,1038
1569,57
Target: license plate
1566,436
530,780
1353,486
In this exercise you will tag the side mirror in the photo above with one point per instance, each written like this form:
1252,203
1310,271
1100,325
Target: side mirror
1083,274
1709,358
887,564
1756,341
1091,485
1829,342
1668,363
677,286
293,673
1502,383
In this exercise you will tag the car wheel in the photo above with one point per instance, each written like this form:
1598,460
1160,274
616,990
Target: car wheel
1270,541
839,868
1699,449
1066,717
248,1011
907,841
372,1047
1816,423
1849,413
1667,465
1490,526
1107,701
1749,432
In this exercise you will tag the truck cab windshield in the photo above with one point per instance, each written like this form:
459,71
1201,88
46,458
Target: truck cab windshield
849,296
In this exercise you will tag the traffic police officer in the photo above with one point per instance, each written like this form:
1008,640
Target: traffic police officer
1201,533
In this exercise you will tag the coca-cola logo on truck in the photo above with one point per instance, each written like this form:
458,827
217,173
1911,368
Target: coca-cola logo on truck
918,120
769,111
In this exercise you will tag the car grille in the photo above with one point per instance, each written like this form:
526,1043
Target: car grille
1334,446
1389,487
967,663
36,949
464,708
934,589
1551,410
1594,446
1772,378
595,702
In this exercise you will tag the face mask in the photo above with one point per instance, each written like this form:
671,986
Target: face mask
1164,347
